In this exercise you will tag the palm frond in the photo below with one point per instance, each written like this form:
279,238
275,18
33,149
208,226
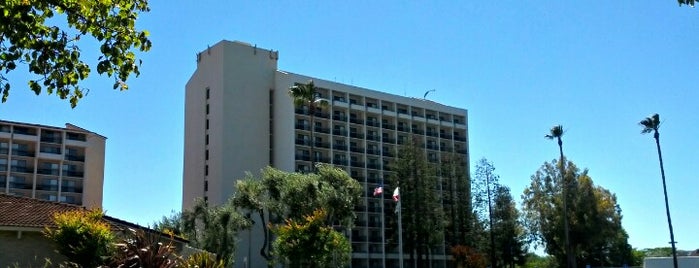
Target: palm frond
555,132
650,123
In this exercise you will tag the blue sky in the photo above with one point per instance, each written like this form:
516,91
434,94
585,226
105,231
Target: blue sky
519,67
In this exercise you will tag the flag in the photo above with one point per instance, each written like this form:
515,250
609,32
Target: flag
396,194
378,190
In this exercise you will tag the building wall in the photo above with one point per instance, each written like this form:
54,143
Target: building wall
246,88
28,249
52,163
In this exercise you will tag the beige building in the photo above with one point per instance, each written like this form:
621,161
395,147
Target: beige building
52,163
239,117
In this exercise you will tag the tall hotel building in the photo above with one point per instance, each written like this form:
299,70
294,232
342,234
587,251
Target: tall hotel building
239,117
52,163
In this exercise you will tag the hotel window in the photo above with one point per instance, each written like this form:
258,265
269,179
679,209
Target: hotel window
207,154
206,186
207,108
207,93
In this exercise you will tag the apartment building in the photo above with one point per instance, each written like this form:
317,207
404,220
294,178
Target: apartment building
52,163
239,118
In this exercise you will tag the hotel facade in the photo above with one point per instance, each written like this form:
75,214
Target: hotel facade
52,163
240,118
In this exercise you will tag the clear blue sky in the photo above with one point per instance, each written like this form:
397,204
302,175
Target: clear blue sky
519,67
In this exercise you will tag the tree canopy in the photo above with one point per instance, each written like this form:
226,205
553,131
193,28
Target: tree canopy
31,35
596,235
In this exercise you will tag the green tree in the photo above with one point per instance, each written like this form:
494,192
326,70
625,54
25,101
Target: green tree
651,124
293,196
686,2
82,236
484,181
306,95
213,229
422,214
509,233
29,35
556,132
456,200
596,235
310,242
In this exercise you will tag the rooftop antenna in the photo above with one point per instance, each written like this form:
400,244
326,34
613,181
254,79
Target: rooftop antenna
428,92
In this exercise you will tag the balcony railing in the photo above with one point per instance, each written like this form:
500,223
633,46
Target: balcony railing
71,173
446,149
458,138
403,128
47,171
303,142
322,144
303,157
20,185
418,131
23,153
22,169
339,132
357,163
388,153
47,187
388,126
432,133
322,129
342,147
303,127
373,123
356,135
373,137
461,151
4,151
71,157
51,139
373,151
445,136
388,140
373,166
340,118
356,120
340,162
356,149
71,189
432,146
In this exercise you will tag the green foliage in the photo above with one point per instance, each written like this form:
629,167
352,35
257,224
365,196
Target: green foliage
468,257
172,225
510,246
596,234
29,36
657,252
139,248
686,2
202,260
536,261
82,236
213,229
422,213
456,200
293,196
309,242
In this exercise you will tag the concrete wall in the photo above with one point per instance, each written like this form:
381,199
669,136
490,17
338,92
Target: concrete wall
29,249
666,262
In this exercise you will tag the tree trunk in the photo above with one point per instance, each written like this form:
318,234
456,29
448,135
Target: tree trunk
570,259
667,206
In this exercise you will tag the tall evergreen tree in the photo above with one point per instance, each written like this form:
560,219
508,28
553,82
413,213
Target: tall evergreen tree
422,214
509,232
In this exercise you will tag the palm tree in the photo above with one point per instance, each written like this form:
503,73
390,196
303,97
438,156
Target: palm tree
556,133
651,124
307,95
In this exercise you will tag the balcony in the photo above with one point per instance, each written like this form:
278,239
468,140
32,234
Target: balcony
432,133
72,173
339,132
357,164
76,136
388,140
388,126
4,151
341,147
373,151
22,169
458,138
388,153
51,139
342,162
47,171
445,136
403,128
373,137
373,166
78,158
340,118
356,149
356,120
23,153
461,151
322,144
356,135
18,185
322,129
303,142
432,146
418,131
303,157
446,149
47,187
71,189
373,123
303,127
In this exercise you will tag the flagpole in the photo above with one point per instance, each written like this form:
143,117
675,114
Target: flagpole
383,227
400,235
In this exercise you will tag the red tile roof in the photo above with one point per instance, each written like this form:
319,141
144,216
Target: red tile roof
20,211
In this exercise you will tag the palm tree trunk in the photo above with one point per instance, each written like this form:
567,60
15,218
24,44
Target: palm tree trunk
667,206
570,259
